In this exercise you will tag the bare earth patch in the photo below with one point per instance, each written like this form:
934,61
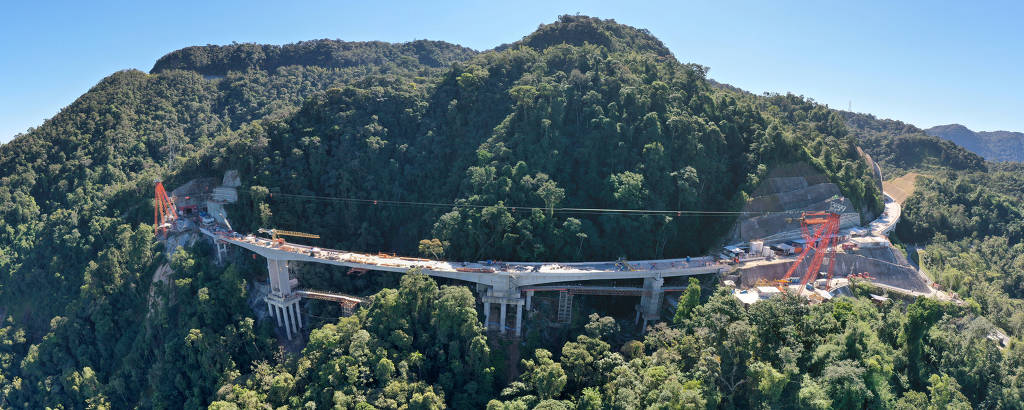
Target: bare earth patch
901,188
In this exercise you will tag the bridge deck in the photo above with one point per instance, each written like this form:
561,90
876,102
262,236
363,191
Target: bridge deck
493,273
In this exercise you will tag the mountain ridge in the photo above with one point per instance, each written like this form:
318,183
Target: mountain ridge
993,145
217,60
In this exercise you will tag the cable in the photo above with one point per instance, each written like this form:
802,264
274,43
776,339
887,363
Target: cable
575,211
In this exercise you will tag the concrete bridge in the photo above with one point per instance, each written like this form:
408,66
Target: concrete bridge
503,284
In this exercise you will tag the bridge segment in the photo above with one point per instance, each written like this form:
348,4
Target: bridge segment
499,283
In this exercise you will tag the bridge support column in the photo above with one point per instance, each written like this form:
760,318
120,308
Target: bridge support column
487,316
650,300
564,306
519,320
286,311
222,249
502,318
529,300
504,297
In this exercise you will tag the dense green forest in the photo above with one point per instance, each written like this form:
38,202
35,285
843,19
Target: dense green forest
583,113
528,127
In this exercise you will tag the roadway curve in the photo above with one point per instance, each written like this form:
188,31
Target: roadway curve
886,222
500,274
506,274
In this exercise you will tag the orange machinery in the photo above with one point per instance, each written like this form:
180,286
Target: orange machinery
823,240
164,212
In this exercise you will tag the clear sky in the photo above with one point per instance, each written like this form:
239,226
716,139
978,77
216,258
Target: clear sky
926,63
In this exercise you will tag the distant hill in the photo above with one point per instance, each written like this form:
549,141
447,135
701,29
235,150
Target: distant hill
901,147
993,145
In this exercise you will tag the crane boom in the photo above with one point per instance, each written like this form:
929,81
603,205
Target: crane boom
275,232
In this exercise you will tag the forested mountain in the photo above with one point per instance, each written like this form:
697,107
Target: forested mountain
76,255
372,56
584,113
993,145
560,125
900,147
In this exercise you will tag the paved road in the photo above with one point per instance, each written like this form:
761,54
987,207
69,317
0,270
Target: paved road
886,222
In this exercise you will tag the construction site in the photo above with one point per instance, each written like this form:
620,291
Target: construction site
797,237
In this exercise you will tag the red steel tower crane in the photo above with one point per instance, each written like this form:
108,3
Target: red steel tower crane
164,212
823,241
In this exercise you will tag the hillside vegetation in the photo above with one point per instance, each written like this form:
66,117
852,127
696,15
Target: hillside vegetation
900,147
565,125
583,113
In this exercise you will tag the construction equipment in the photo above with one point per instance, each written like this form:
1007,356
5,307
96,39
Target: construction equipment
862,275
822,241
274,233
164,212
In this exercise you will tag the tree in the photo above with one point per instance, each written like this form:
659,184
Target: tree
544,376
551,194
431,247
921,315
590,399
843,382
812,395
944,393
767,383
688,301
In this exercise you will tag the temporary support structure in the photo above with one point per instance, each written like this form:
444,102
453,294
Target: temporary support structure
564,306
822,241
164,212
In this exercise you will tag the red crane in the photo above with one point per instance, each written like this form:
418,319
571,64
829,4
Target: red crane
822,241
164,212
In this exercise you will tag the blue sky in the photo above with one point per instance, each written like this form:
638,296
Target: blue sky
926,63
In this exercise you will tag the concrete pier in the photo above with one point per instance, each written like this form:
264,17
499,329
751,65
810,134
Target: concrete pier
650,300
282,301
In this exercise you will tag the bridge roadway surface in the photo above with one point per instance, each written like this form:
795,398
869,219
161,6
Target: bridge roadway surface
508,275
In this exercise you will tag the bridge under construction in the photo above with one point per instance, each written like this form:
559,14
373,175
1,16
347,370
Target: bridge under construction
502,286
